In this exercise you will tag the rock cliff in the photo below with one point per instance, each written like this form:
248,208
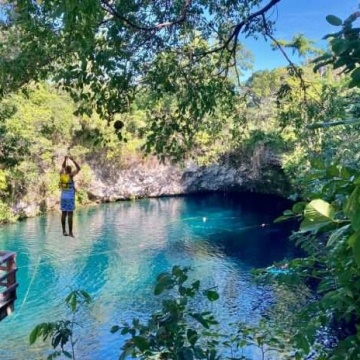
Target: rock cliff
108,182
143,180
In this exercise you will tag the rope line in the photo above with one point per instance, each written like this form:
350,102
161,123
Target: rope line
29,287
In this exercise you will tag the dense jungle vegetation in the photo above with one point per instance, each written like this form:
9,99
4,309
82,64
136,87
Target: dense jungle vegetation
117,80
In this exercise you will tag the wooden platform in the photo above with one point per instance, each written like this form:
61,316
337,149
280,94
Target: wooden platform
8,283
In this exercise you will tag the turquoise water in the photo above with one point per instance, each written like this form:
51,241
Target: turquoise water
118,251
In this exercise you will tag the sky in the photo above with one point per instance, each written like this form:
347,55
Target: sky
307,17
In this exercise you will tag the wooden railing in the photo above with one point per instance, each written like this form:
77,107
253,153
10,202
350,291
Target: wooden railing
8,283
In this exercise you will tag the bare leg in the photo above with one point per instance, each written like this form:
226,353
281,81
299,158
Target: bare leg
70,220
63,222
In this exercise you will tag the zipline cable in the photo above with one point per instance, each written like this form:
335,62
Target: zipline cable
29,287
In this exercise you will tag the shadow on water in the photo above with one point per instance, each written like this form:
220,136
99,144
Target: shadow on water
241,226
119,250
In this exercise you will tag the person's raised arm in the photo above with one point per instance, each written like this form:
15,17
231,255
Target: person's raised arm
63,166
78,168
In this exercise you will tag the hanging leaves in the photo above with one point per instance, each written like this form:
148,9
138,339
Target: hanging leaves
354,242
317,214
352,208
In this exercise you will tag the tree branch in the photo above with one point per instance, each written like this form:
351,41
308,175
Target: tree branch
278,45
237,29
112,10
251,17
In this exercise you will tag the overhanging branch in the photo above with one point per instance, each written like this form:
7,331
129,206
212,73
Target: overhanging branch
238,28
112,10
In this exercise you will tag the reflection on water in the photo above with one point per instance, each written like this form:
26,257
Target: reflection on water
117,253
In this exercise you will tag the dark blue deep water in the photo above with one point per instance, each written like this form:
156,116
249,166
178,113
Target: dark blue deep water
118,251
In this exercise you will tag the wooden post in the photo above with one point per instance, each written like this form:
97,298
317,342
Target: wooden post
8,283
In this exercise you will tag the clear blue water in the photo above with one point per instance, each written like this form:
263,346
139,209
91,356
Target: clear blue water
118,251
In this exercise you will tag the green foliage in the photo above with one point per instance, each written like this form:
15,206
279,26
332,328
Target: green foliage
62,332
345,48
188,101
173,332
317,214
300,44
329,219
82,197
104,55
6,214
179,331
329,233
99,49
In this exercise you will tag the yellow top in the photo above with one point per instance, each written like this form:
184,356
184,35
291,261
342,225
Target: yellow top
65,181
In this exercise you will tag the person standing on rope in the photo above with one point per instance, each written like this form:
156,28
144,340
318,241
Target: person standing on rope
67,199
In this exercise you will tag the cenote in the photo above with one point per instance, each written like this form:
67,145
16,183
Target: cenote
119,250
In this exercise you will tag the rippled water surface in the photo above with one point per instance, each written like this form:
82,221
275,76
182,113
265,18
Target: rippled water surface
117,253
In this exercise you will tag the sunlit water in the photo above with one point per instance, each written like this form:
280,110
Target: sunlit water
117,253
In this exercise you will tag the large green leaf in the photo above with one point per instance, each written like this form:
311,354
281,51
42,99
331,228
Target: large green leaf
114,329
337,234
192,336
352,208
35,333
339,46
317,214
200,319
334,20
319,210
141,342
355,220
313,226
164,281
354,241
356,75
212,295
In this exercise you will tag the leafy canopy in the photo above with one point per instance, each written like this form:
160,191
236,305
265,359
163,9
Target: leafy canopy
104,51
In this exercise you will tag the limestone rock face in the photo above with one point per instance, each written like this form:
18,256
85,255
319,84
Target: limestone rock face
137,182
25,209
109,183
165,180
